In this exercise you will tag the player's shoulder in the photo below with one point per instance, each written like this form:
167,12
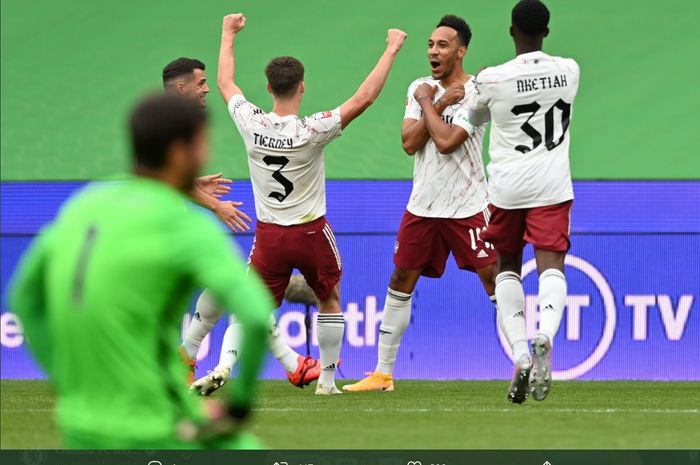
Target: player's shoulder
318,116
239,102
493,74
567,64
320,121
421,80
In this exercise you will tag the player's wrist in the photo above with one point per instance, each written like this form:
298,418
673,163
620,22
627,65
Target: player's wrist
392,50
239,412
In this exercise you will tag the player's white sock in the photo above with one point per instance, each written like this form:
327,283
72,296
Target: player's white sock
552,299
282,352
499,319
207,313
330,328
511,307
230,346
397,315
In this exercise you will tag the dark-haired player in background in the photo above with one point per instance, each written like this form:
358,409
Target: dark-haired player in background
285,156
186,76
447,209
101,297
529,101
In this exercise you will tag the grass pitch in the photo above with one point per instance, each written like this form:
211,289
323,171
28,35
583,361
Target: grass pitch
429,415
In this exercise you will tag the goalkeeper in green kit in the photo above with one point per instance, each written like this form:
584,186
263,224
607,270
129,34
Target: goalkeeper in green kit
102,291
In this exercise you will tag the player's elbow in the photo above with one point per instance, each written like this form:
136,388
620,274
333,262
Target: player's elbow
222,84
409,147
364,100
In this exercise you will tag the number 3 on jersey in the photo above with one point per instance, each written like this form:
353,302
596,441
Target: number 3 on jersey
277,175
532,108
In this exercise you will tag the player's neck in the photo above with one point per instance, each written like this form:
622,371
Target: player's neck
457,76
161,176
285,107
528,46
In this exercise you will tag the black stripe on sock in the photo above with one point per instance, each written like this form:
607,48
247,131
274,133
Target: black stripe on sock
399,297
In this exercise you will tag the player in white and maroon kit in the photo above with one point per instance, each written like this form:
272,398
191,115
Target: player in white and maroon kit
285,157
447,211
529,101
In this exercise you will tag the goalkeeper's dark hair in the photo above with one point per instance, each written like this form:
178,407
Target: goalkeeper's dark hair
159,121
179,68
531,17
458,24
284,75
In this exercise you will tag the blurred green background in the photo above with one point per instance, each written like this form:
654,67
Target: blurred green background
71,70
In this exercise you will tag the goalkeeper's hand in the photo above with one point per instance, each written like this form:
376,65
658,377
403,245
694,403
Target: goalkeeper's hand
223,420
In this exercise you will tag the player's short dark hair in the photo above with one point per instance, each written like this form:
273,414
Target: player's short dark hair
160,120
284,75
181,67
531,17
458,24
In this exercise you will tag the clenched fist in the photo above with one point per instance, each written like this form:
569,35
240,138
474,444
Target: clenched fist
394,39
234,23
424,92
453,94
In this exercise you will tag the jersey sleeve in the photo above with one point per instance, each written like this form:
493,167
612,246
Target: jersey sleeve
28,299
324,126
242,112
211,260
466,116
413,109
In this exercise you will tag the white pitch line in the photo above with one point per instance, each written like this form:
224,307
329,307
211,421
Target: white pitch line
437,410
483,410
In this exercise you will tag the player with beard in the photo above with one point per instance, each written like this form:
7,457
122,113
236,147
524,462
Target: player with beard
447,210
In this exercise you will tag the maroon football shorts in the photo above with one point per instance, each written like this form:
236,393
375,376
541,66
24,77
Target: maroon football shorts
546,228
311,248
425,244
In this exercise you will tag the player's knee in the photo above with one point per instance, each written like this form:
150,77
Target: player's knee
403,280
509,263
549,260
488,280
331,304
208,308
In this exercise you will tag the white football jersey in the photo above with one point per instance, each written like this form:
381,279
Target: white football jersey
449,185
285,157
530,100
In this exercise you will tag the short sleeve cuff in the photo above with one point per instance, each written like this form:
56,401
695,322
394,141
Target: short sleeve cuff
461,119
235,101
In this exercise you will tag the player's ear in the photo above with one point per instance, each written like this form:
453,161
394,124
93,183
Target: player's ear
512,32
269,89
546,32
301,87
180,86
461,51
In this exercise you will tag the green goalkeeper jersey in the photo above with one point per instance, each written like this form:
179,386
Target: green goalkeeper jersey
101,295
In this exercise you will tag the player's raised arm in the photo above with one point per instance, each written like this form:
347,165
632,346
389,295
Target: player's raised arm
369,90
232,25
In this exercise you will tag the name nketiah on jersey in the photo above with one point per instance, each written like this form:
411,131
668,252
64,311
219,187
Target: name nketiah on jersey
285,157
449,185
530,100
